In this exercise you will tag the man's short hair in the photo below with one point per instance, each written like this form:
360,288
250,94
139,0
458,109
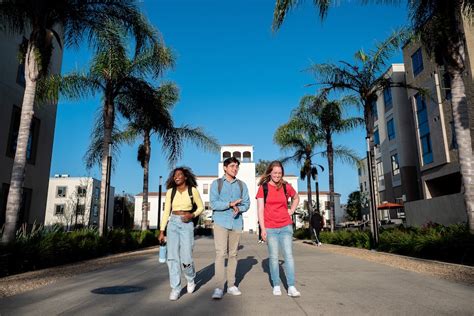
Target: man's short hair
230,160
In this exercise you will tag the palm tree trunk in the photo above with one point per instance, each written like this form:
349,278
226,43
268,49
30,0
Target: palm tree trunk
464,141
15,191
331,181
146,170
109,118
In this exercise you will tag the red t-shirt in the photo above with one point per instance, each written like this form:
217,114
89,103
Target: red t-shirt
275,213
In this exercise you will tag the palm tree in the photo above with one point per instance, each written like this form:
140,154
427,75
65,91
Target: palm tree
114,74
302,140
148,112
326,118
439,25
41,23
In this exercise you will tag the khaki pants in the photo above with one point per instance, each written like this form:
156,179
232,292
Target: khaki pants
226,242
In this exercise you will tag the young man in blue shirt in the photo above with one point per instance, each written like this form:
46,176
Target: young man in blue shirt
229,199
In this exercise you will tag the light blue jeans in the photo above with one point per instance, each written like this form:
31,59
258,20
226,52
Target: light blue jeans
281,238
180,242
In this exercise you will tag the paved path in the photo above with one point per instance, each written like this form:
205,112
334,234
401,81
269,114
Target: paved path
331,284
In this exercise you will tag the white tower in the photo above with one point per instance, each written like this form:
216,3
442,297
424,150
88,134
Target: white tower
246,174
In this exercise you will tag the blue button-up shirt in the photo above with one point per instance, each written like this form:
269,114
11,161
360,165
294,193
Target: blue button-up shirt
222,214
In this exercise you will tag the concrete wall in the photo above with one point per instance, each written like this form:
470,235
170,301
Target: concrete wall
445,210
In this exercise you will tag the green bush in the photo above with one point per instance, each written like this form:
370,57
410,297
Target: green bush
436,242
302,233
46,247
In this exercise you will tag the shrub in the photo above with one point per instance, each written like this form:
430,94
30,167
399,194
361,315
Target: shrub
302,233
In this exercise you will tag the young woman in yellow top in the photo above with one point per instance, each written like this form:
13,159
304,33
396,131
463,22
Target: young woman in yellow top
178,217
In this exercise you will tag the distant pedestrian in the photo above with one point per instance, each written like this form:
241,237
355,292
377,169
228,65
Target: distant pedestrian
229,199
182,204
276,223
317,224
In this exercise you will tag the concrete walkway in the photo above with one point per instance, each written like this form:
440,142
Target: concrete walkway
331,284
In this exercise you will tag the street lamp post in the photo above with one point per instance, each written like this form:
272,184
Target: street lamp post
123,209
373,210
107,189
159,204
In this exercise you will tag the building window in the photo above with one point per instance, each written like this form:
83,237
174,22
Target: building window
375,114
387,98
32,145
20,75
25,204
205,189
390,129
417,62
327,205
207,206
61,191
361,188
97,193
81,191
80,209
376,137
237,154
59,209
423,129
359,171
395,165
225,155
379,171
247,157
95,211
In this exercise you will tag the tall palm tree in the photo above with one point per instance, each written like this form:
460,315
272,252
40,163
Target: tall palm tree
149,113
440,26
326,118
42,23
114,74
302,141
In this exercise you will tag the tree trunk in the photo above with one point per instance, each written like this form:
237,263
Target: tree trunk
146,170
463,138
331,181
15,191
109,118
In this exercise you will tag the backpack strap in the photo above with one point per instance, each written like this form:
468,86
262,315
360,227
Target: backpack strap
265,192
173,193
241,186
284,189
220,182
190,192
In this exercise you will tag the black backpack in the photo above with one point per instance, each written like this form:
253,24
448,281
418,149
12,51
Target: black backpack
193,209
220,183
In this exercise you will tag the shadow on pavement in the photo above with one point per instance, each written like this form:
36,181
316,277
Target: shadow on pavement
243,267
266,269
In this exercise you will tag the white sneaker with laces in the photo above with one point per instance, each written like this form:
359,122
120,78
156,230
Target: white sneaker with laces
218,293
174,295
233,290
191,286
293,292
277,290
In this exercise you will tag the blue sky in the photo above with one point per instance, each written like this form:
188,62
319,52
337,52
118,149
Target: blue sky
238,80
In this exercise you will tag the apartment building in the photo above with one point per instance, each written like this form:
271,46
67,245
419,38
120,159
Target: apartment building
12,85
436,146
74,201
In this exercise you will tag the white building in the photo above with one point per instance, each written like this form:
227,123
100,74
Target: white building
246,173
75,200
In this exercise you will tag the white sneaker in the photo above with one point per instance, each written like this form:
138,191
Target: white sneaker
319,244
234,290
174,295
218,293
293,292
191,286
276,290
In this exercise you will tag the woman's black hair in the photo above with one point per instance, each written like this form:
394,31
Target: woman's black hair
188,174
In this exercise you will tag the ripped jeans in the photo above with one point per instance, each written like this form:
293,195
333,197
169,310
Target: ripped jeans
180,242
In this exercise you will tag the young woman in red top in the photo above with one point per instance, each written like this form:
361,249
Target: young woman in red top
276,223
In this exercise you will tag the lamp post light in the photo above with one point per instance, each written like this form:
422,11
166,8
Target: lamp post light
159,204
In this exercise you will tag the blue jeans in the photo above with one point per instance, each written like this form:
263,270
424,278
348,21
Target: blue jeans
281,238
180,242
